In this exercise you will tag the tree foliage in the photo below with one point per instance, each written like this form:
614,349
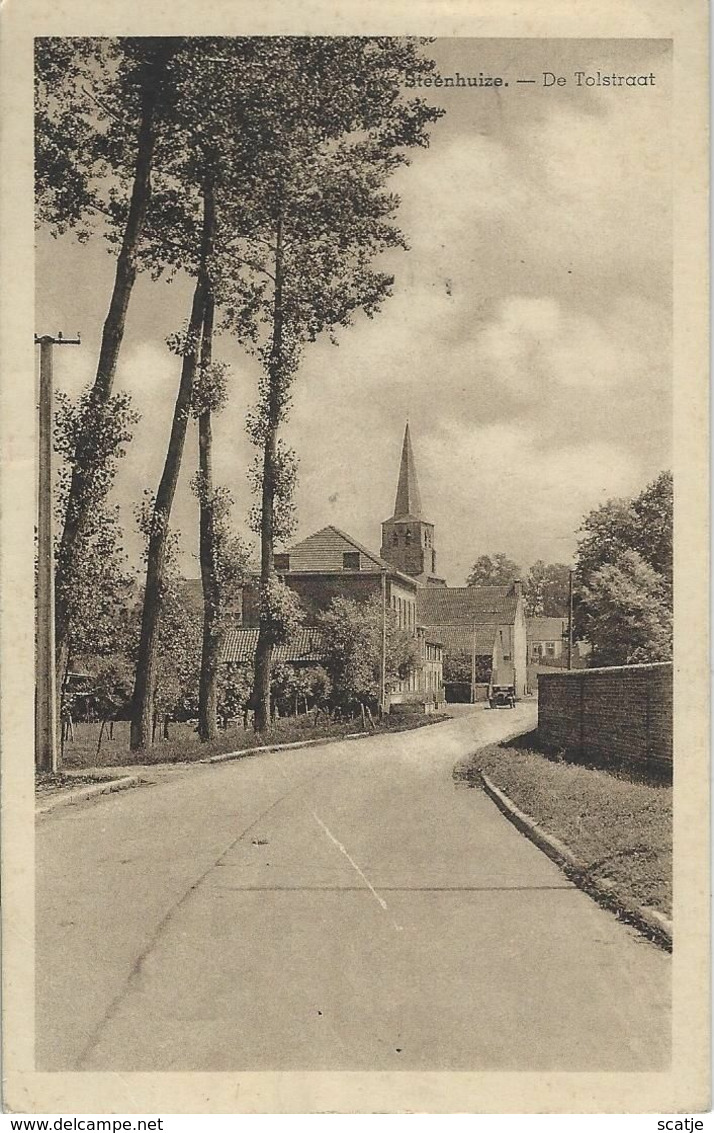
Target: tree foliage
305,245
625,613
493,570
624,572
546,590
97,586
353,652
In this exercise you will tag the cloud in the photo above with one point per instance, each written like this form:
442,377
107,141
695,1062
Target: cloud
499,491
528,337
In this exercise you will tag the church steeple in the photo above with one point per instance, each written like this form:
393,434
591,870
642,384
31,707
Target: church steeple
407,538
408,500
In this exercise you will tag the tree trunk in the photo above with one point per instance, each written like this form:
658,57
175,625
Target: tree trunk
264,647
145,680
79,501
207,692
166,726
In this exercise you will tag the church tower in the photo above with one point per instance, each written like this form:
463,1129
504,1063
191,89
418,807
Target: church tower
407,538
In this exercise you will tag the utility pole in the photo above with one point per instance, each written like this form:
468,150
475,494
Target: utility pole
383,665
45,678
570,618
473,664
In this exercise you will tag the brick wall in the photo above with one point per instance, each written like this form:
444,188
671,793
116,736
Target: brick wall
316,591
616,715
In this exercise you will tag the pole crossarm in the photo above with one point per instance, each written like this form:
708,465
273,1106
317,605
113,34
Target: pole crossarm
59,340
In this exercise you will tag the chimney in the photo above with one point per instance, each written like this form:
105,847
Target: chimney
518,587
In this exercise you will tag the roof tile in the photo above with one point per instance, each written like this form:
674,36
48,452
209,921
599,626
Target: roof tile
464,605
239,647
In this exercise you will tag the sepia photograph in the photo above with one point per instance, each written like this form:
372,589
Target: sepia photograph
355,485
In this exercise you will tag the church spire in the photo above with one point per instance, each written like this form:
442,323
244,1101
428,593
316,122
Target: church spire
408,501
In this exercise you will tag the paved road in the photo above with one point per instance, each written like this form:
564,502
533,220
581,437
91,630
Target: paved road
345,907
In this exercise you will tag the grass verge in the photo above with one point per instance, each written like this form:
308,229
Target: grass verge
620,829
184,746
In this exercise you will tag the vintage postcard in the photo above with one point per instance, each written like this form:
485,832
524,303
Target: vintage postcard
355,513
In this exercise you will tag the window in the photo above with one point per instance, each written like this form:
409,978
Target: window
433,562
408,537
281,562
350,560
395,538
550,648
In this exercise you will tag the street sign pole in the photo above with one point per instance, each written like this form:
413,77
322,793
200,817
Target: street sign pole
46,758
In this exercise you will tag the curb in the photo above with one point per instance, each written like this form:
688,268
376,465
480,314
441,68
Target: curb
649,921
246,752
79,796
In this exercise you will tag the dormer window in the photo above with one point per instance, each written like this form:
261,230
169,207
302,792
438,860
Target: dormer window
350,560
282,563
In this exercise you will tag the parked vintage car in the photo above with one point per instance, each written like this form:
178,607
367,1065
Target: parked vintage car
502,696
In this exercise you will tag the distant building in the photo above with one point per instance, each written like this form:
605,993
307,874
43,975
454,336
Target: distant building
548,646
331,564
407,538
547,639
486,623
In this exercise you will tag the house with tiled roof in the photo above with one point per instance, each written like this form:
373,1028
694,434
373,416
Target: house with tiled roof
305,650
331,564
486,623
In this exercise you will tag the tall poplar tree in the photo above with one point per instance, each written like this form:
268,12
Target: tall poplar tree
100,105
338,127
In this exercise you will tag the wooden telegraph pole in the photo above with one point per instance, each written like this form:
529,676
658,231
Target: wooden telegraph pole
45,679
570,618
383,659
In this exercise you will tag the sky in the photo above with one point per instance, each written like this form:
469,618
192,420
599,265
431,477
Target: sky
528,339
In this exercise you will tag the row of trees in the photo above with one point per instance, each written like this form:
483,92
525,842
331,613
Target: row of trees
347,681
623,579
259,167
545,585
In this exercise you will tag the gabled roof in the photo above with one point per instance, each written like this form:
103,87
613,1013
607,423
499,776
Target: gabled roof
460,639
323,551
464,605
407,504
546,629
239,647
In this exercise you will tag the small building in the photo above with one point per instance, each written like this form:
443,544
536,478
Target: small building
547,640
484,623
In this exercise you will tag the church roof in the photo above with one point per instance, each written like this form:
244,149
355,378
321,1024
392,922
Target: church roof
464,605
323,551
407,505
